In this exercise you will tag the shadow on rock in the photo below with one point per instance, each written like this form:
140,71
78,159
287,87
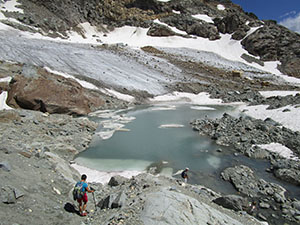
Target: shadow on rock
70,208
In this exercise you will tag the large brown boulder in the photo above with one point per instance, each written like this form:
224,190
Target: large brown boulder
51,93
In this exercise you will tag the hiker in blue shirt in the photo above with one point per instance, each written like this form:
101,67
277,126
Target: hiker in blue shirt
84,188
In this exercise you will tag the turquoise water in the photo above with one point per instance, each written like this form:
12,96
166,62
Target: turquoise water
145,144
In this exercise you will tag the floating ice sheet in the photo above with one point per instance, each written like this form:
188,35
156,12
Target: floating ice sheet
114,165
202,108
171,126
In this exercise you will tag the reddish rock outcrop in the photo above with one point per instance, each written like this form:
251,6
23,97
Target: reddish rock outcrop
51,93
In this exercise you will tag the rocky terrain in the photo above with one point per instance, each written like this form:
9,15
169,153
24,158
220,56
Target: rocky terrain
46,129
270,41
37,178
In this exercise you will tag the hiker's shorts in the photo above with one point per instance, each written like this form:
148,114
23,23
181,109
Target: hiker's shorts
84,199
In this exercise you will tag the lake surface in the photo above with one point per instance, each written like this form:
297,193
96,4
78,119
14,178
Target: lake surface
161,136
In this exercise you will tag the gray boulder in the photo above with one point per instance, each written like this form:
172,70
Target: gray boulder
289,175
234,202
9,195
5,166
158,30
244,181
296,205
168,207
113,201
205,30
117,180
229,23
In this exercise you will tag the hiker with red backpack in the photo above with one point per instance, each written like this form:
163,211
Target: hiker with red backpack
79,194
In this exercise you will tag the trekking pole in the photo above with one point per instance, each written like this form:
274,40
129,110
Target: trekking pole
94,198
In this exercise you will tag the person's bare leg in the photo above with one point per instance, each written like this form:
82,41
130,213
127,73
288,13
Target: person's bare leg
84,207
80,208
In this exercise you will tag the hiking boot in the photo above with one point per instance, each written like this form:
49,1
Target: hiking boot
83,214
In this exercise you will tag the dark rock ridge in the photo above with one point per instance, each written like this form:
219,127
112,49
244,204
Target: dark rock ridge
274,42
270,41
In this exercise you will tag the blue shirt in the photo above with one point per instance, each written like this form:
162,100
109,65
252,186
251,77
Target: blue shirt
84,185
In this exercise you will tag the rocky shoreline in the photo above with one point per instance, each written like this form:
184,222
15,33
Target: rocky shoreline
38,177
245,135
36,149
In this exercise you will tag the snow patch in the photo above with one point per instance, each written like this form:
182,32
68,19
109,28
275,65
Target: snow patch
268,94
204,17
292,80
83,83
221,7
5,79
202,98
280,149
11,6
176,12
118,95
137,37
102,176
289,119
3,98
174,29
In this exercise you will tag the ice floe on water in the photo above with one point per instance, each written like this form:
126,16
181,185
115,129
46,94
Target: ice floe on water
171,126
282,150
163,108
203,108
113,121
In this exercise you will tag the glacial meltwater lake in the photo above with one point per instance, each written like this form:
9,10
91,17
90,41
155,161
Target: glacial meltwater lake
161,136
